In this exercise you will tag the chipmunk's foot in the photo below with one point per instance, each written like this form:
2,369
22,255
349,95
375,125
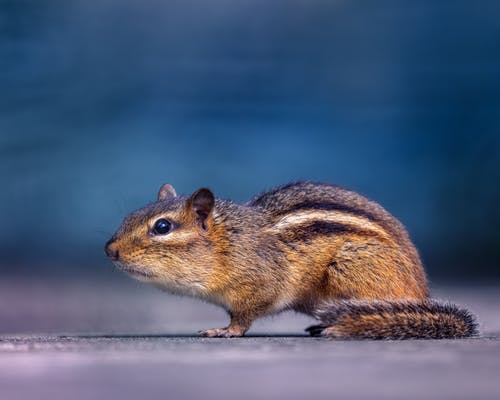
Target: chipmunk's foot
324,331
222,332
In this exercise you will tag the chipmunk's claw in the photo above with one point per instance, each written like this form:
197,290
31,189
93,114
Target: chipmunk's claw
220,333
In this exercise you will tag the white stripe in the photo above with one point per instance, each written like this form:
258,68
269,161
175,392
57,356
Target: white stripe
327,216
175,235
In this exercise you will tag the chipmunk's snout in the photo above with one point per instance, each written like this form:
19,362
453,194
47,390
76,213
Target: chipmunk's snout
111,249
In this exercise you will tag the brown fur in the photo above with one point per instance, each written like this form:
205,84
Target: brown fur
295,247
400,319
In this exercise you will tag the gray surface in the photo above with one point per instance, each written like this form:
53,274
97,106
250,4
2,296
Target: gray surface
120,339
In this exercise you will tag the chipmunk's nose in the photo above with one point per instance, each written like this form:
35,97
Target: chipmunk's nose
111,249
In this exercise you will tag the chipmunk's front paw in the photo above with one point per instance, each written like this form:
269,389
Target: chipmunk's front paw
221,332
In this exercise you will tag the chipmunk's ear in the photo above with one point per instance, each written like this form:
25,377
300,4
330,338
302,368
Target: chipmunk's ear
202,203
166,192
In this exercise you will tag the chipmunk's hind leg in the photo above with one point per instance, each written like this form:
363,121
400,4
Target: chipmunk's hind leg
403,319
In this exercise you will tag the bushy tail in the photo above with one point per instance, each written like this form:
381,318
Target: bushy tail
404,319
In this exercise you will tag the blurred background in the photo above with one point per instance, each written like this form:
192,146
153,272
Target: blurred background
102,102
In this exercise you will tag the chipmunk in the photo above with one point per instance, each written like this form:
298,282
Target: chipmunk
314,248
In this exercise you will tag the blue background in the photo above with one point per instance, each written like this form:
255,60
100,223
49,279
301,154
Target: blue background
102,102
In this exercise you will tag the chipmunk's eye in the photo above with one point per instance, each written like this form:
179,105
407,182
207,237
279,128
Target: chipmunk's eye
162,227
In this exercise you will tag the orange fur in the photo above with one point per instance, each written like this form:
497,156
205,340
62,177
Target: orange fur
295,247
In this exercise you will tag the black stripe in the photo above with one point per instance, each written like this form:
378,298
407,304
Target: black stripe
329,206
306,232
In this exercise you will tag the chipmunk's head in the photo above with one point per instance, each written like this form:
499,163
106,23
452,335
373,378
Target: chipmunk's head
168,242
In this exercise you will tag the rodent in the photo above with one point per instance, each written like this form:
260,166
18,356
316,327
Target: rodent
314,248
